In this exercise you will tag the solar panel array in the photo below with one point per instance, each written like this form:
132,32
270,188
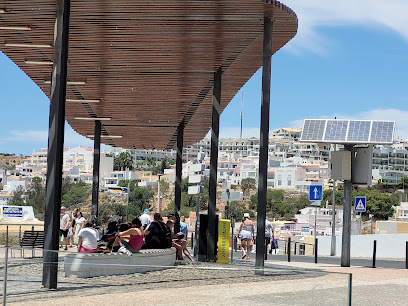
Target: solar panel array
348,131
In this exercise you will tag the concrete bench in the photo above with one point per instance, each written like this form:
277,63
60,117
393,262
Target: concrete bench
96,264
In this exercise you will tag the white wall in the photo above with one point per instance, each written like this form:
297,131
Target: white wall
388,246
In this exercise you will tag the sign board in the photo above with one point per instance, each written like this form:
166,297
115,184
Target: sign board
195,179
233,196
195,189
12,211
223,240
315,192
360,204
316,203
305,229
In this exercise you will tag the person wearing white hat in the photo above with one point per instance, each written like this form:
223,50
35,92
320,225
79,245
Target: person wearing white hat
64,225
246,234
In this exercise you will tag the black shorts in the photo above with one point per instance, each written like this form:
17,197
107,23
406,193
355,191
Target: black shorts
267,240
65,233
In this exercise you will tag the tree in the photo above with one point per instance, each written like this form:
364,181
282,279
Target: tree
18,197
106,211
139,199
160,167
36,197
247,184
123,161
280,204
379,204
77,193
237,209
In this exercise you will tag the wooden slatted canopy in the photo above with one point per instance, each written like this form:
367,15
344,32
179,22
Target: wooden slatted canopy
147,65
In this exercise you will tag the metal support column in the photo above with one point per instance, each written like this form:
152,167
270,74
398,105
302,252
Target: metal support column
215,129
346,237
333,238
95,180
55,145
179,164
264,141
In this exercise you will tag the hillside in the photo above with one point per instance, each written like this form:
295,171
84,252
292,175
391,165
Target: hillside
9,162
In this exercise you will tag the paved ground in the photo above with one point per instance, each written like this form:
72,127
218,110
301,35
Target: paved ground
296,283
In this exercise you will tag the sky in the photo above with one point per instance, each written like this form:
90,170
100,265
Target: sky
349,60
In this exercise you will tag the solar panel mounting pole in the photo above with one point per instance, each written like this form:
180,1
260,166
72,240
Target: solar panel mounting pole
333,238
212,188
346,236
95,178
56,145
264,142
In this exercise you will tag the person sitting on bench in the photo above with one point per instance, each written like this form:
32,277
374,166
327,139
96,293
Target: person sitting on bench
131,240
88,239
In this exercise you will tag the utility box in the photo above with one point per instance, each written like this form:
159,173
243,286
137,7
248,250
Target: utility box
341,165
362,165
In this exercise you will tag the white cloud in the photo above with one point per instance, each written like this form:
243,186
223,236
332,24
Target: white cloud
313,14
390,114
40,138
27,136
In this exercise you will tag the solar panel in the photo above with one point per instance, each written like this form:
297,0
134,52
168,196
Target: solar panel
336,130
359,131
382,131
313,130
348,131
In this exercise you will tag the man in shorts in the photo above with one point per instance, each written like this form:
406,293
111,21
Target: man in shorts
64,226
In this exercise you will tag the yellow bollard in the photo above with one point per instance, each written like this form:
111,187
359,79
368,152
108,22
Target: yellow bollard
223,240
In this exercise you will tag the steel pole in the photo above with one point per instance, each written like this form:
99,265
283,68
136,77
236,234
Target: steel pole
346,237
197,228
315,223
5,276
95,180
55,145
333,238
179,164
212,190
264,141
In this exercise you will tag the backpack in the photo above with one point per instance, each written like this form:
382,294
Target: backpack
166,240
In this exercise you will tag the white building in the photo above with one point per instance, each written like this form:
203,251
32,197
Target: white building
323,220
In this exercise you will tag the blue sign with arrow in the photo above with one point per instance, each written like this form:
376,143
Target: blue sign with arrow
315,192
360,204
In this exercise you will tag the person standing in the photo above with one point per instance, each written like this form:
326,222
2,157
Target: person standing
64,226
183,227
72,228
88,239
246,233
268,233
145,218
79,224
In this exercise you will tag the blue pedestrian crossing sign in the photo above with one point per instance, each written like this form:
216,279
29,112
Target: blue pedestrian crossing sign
315,192
360,204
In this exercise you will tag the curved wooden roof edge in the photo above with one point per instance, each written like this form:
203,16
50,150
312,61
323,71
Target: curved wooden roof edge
147,65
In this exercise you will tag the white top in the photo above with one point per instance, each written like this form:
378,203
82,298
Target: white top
79,220
89,238
64,221
268,227
145,219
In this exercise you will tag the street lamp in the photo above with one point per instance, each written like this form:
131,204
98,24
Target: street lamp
158,193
